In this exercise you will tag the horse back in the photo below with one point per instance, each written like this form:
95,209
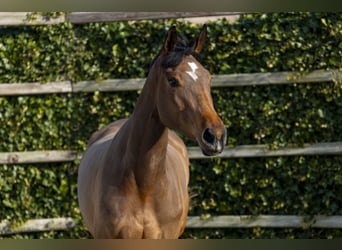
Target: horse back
109,131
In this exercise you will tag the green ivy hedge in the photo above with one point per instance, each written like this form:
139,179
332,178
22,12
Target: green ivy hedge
274,115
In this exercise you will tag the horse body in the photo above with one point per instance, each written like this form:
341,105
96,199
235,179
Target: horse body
134,175
125,206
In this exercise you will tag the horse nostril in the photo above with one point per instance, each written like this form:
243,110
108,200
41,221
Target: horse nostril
209,136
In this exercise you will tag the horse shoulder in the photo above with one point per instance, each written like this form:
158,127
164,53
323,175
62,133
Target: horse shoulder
178,156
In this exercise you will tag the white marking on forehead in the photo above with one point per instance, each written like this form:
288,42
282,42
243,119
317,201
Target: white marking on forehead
192,73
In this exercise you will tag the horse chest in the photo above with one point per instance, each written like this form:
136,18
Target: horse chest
161,214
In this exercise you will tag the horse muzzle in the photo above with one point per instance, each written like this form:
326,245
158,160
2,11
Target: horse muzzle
212,141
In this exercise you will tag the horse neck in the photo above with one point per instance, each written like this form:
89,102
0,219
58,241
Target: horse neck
148,138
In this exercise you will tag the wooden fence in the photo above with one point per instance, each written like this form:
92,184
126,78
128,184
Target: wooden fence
27,18
233,80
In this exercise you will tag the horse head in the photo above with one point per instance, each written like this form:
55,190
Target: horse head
183,97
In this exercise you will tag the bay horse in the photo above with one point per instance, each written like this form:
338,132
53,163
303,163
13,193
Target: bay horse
133,177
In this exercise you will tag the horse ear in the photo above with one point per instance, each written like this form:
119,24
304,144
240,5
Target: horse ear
200,40
170,40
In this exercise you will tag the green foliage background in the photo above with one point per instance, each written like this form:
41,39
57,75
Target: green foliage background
274,115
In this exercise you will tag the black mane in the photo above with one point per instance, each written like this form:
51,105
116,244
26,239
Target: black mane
174,57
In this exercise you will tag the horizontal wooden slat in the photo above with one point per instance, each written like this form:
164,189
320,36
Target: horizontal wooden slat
86,17
13,18
109,85
249,151
38,157
223,221
21,18
245,151
265,221
35,88
233,80
37,225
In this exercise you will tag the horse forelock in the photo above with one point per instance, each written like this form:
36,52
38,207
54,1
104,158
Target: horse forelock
174,57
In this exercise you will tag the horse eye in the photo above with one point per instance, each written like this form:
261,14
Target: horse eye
173,82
